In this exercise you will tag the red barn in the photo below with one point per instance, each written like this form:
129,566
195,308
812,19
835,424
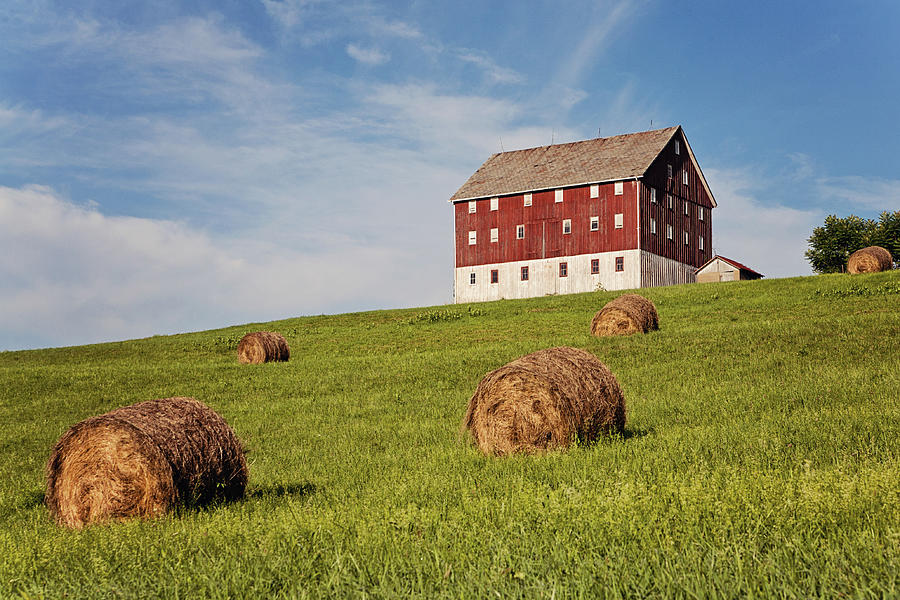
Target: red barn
621,212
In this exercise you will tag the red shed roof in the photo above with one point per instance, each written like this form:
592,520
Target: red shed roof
733,263
577,163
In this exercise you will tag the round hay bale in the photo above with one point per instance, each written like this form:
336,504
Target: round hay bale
142,460
545,400
627,314
263,346
870,260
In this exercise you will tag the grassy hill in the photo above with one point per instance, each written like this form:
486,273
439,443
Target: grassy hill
762,456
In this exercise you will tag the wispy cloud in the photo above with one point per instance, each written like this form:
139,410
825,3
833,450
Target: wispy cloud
368,56
494,72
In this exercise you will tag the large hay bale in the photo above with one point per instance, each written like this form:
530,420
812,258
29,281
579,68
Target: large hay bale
545,400
627,314
141,460
870,260
263,346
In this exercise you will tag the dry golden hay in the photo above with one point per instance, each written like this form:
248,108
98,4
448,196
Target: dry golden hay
627,314
545,400
142,460
263,346
870,260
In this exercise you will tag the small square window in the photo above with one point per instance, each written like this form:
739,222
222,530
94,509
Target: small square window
620,263
669,171
670,233
567,226
495,203
653,195
471,206
595,223
524,273
520,232
595,191
684,177
527,200
652,225
495,276
563,269
619,187
619,221
558,196
472,238
471,278
595,266
495,235
677,147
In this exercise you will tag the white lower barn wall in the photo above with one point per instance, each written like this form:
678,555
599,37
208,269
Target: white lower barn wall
641,269
544,279
657,271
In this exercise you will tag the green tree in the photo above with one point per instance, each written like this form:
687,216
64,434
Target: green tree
832,244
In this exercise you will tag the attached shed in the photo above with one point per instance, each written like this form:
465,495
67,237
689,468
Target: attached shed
719,268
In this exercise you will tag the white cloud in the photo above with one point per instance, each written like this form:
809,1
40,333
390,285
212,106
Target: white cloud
74,275
768,238
854,192
492,70
368,56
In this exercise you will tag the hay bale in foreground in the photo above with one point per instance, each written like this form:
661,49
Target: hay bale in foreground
545,400
142,460
263,346
870,260
627,314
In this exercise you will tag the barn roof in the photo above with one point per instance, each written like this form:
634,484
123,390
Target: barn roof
731,262
576,163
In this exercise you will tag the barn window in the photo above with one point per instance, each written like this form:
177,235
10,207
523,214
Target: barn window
701,213
619,188
684,177
524,273
563,269
652,225
471,206
495,235
700,242
595,191
567,226
618,221
620,263
671,200
653,195
595,266
558,196
687,206
471,278
669,171
527,200
669,233
495,203
685,238
595,223
677,147
495,276
472,238
520,232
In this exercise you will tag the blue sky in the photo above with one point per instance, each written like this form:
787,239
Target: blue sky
175,166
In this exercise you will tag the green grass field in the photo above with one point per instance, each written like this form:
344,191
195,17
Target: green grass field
761,458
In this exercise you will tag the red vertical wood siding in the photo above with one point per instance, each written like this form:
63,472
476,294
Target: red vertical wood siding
543,222
694,194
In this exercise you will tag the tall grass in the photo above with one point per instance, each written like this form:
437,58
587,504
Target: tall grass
761,456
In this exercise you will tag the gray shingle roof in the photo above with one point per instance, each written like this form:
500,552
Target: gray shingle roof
560,165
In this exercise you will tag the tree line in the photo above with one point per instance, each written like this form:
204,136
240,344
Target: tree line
832,244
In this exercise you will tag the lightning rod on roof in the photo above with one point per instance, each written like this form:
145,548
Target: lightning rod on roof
501,143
